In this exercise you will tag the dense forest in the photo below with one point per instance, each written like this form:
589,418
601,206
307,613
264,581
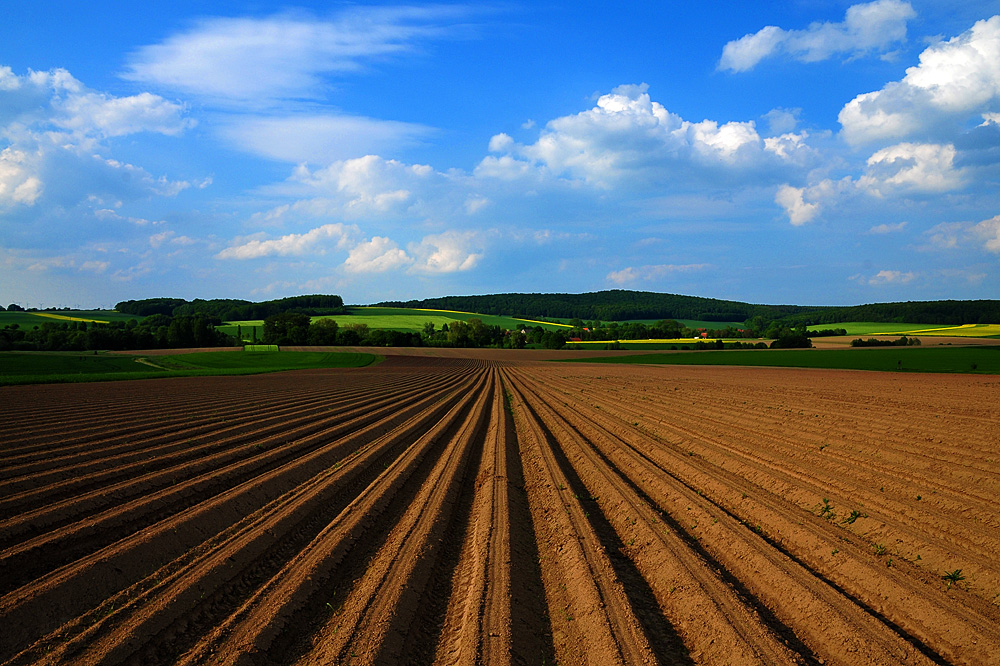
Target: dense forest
228,309
619,305
614,305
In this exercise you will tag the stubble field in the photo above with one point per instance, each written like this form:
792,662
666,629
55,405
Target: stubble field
484,510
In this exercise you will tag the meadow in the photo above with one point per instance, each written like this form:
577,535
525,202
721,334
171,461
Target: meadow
26,319
983,359
400,319
59,367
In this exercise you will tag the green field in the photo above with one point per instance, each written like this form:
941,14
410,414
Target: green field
32,319
266,361
875,328
65,363
398,319
51,367
984,359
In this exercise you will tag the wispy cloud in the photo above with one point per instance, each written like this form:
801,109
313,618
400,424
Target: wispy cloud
883,229
633,274
892,277
290,56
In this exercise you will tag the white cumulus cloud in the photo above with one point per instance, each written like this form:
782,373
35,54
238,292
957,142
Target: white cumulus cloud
448,252
628,138
866,28
314,241
988,232
377,255
18,184
57,131
912,167
956,80
792,199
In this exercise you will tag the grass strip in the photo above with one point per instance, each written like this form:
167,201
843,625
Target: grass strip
980,360
61,367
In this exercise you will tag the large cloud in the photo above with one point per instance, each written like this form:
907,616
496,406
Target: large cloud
371,185
56,100
377,255
57,132
449,252
18,182
903,170
956,80
630,139
875,26
988,232
925,167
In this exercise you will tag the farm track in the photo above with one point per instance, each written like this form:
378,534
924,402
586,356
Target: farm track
481,511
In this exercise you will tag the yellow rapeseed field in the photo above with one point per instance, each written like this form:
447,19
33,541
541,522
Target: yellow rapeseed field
65,318
964,331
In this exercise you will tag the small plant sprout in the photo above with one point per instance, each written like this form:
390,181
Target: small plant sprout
879,549
851,518
825,510
952,577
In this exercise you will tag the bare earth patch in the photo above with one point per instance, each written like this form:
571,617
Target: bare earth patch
482,507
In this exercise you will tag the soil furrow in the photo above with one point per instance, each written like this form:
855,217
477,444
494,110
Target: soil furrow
302,594
675,561
595,622
123,563
466,507
187,599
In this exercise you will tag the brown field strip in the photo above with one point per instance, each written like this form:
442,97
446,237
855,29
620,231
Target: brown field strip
471,508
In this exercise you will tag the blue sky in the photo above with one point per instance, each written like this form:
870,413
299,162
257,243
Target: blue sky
784,152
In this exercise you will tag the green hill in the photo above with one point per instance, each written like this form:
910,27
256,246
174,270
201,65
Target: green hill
622,305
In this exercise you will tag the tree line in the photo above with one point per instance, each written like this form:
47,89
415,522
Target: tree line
229,309
156,331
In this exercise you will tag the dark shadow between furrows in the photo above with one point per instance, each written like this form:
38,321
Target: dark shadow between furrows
295,640
665,642
421,629
531,627
767,617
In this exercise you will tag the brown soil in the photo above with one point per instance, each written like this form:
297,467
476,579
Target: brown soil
482,507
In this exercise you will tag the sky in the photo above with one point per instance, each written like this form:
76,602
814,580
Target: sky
799,152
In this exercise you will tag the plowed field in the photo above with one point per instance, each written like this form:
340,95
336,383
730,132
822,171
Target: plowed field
487,511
